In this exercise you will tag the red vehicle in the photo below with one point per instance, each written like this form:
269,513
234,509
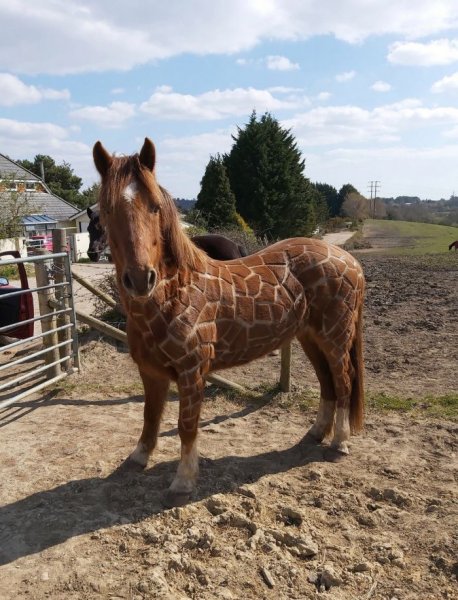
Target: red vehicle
17,308
39,242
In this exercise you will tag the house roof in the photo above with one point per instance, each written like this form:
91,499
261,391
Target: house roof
38,220
11,169
45,203
83,212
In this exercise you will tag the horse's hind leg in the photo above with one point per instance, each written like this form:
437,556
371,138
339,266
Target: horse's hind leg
324,423
156,390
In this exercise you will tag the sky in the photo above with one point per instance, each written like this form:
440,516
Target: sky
368,88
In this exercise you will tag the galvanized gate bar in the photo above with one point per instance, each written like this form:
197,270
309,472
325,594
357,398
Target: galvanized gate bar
35,289
24,359
40,367
22,378
33,338
51,314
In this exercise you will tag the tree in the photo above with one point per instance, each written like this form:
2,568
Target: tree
331,198
265,171
89,196
355,206
344,191
216,201
60,179
15,205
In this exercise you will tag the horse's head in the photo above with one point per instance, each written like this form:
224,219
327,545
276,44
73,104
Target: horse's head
97,235
141,220
130,210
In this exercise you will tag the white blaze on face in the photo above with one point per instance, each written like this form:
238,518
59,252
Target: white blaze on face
130,192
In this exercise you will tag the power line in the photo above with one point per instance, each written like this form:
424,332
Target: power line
374,187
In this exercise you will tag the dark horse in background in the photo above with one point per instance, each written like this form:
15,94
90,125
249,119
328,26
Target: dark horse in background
216,246
454,245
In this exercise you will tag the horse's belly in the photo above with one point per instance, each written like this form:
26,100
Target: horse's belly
241,342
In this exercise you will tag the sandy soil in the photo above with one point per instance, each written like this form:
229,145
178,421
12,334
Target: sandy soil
271,518
338,238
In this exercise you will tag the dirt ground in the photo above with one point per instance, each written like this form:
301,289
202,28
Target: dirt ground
271,517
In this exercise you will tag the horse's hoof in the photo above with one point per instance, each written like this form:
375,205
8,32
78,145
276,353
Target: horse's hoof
131,465
315,437
173,498
334,455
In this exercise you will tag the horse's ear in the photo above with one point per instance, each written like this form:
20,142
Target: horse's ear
102,159
89,212
148,154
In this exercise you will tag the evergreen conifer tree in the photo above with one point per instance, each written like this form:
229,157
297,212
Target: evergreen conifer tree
216,201
265,170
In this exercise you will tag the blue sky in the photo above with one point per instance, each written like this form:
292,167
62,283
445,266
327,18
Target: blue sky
369,88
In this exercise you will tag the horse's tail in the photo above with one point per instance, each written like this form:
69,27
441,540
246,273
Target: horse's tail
455,243
451,246
357,390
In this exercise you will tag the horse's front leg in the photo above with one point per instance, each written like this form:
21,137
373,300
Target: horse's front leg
156,390
191,389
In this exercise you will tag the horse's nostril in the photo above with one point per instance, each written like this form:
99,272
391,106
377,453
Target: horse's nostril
152,279
126,281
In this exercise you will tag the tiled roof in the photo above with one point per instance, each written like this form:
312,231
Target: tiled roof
9,168
45,204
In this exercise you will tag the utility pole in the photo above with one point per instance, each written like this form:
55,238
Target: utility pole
374,186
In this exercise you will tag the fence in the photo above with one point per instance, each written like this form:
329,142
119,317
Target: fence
49,351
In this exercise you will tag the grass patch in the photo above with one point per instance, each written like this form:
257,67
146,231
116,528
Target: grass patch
436,406
411,238
445,407
11,271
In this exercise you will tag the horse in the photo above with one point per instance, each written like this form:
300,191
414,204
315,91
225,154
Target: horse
454,245
189,314
215,245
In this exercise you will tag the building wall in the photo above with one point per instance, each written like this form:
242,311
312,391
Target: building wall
9,244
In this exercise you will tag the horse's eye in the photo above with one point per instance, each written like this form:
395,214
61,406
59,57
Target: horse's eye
154,209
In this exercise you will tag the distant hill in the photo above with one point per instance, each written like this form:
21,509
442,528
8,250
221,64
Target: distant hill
184,205
411,208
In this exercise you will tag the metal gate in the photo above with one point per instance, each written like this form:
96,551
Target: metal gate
49,352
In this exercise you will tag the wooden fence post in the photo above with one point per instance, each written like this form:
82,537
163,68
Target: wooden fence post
285,369
59,242
49,322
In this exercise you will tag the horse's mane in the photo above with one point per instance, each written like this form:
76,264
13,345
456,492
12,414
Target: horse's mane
178,249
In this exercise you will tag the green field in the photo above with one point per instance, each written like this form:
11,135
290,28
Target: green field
404,237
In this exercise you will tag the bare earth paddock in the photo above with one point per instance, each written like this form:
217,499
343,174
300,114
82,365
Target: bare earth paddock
272,518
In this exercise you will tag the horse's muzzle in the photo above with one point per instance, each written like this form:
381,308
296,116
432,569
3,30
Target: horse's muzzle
139,282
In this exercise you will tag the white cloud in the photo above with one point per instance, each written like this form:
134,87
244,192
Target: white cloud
215,104
113,115
446,84
323,96
21,139
14,92
281,63
436,52
182,160
86,35
117,91
381,86
354,125
281,89
346,76
401,169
